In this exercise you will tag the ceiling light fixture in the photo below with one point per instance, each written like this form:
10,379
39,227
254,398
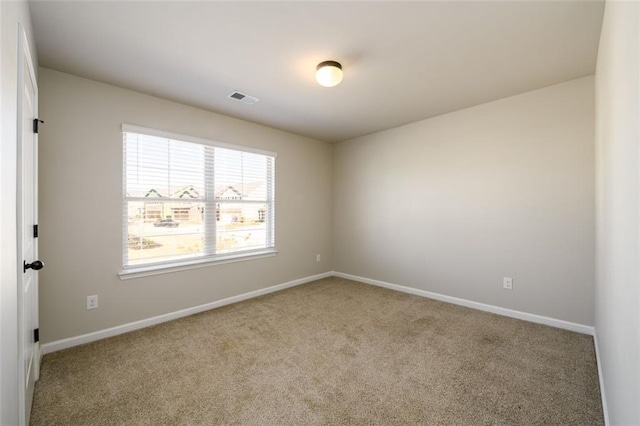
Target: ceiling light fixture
329,73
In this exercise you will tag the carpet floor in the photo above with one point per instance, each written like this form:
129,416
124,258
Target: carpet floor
329,352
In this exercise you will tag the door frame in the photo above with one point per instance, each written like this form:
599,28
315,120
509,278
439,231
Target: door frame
24,57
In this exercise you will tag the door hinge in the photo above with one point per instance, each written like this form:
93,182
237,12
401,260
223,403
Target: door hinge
36,335
35,231
36,122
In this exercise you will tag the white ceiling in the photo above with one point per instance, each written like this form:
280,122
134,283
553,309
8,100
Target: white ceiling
403,61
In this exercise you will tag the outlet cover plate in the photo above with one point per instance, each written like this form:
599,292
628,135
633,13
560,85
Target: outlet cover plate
507,283
92,302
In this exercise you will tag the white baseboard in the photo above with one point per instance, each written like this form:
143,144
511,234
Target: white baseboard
579,328
125,328
605,409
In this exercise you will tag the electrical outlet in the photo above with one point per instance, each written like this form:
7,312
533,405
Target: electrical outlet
507,283
92,302
317,258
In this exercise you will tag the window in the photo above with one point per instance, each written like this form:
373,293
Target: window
188,200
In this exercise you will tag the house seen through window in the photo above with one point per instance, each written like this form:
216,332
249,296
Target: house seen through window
187,199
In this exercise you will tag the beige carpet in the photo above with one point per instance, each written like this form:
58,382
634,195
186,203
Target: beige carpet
329,352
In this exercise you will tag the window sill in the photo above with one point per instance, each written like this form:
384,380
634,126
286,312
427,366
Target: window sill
147,271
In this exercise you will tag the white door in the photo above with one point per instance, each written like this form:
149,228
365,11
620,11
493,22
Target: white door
27,204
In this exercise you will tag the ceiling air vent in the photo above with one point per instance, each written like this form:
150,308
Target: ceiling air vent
244,98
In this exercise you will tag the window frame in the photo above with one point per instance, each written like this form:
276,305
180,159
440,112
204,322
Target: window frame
205,260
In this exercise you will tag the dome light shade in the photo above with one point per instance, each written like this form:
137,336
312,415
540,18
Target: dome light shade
329,73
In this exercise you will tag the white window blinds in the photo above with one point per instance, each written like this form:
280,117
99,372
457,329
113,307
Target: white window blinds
187,198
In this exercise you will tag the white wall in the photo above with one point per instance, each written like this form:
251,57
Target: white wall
3,261
81,208
11,14
455,203
617,135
